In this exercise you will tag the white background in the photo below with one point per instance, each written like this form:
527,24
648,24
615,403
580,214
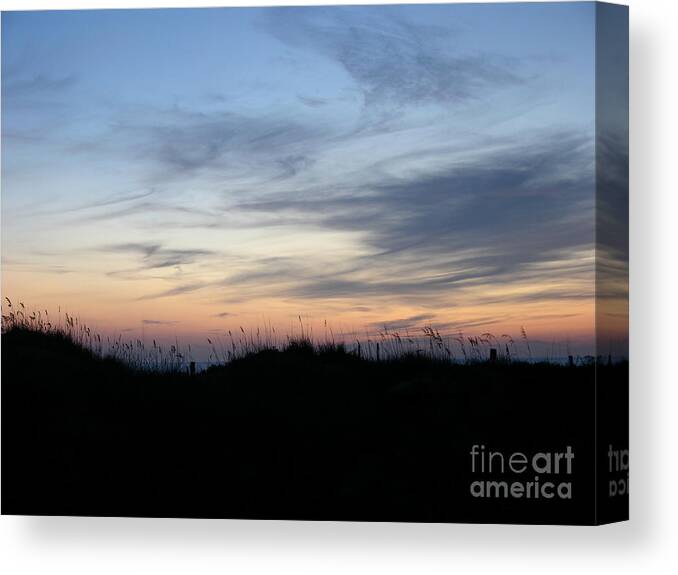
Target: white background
647,544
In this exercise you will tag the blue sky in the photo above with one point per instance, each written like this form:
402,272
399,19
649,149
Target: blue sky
401,164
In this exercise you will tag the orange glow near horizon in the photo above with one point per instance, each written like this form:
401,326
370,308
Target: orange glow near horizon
191,318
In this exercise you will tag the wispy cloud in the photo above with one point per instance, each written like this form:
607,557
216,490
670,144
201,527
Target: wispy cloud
155,255
134,207
515,213
112,201
158,322
405,323
175,291
312,102
223,314
185,142
36,266
391,60
23,91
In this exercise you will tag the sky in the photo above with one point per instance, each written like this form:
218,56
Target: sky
184,172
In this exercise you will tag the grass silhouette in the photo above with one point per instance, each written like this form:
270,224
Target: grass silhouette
224,347
304,431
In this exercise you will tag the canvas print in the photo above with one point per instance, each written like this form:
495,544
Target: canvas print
364,263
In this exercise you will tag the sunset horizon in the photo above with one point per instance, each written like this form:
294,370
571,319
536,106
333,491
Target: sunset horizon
359,167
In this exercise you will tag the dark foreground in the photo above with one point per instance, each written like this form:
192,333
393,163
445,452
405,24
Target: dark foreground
294,435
